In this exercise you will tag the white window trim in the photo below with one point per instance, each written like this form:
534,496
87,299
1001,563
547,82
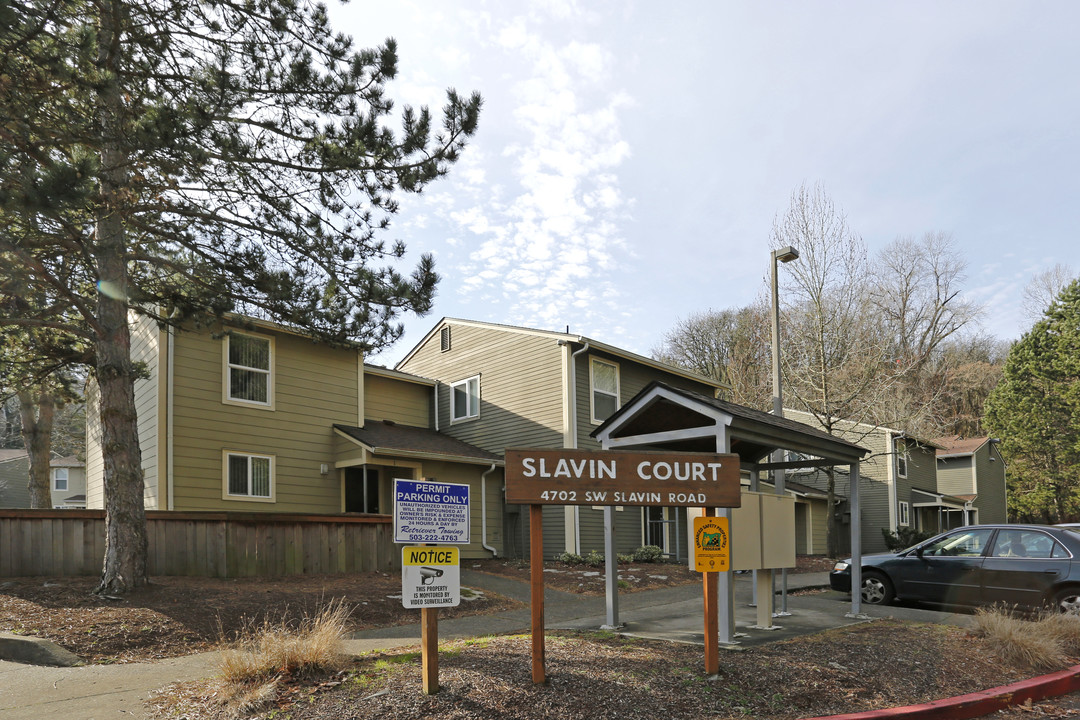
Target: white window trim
592,388
904,514
226,495
226,376
55,477
467,417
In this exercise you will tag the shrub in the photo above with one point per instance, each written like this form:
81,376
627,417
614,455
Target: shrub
904,537
595,558
624,559
568,558
272,649
648,554
1028,644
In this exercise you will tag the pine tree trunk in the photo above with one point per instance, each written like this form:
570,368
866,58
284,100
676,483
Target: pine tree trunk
37,436
125,514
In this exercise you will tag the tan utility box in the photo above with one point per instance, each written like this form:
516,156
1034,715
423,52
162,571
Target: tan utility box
763,532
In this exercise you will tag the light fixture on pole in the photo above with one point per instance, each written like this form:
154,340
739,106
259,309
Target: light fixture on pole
785,255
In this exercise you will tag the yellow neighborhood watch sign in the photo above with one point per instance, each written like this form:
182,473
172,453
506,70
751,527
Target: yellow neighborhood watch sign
712,544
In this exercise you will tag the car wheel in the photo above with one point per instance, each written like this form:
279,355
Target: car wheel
877,589
1067,601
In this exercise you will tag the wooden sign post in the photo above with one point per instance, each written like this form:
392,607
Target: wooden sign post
536,590
581,477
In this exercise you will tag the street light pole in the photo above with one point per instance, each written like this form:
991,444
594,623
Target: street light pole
785,255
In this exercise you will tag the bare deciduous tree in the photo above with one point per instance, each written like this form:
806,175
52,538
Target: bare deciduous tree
730,346
1043,289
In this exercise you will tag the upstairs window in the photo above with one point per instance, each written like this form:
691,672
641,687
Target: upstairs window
465,399
249,476
901,459
60,479
249,366
604,382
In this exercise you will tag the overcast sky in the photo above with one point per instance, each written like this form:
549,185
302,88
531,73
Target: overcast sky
631,155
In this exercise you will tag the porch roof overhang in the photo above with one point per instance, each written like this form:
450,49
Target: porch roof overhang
664,417
383,440
925,498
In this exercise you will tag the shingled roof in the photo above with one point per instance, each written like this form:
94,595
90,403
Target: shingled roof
388,438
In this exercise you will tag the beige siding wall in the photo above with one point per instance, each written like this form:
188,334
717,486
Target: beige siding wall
95,466
521,386
819,527
314,387
955,476
147,346
403,402
14,483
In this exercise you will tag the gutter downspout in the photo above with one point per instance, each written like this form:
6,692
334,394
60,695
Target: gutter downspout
436,406
574,435
483,512
169,480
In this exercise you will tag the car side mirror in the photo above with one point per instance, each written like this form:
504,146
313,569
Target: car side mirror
918,551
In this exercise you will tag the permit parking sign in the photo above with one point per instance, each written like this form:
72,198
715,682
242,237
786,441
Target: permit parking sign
430,577
428,511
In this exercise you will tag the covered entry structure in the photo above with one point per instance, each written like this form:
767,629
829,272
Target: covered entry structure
663,417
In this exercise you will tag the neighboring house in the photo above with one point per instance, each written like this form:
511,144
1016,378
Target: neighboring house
973,469
67,479
501,386
250,416
899,484
14,479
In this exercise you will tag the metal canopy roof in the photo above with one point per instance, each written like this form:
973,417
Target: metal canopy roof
665,417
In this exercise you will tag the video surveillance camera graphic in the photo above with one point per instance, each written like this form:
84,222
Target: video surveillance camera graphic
428,575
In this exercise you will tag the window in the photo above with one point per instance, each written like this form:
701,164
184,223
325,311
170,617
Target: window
465,399
249,476
905,514
966,543
444,339
249,369
604,381
60,479
901,459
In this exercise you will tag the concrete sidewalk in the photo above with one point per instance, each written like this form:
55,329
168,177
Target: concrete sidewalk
95,692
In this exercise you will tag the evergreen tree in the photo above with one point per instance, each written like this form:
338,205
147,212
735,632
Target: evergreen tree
181,159
1035,409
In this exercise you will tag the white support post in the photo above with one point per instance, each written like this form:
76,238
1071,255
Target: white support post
611,568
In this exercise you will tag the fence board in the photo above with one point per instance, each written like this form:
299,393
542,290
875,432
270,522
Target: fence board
72,542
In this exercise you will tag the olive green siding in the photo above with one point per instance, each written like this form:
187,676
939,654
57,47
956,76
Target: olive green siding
876,475
402,402
819,528
470,475
521,386
15,482
921,474
314,387
990,475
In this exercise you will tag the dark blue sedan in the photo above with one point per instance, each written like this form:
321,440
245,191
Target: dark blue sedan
1030,565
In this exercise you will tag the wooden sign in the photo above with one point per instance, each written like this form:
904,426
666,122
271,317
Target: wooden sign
582,477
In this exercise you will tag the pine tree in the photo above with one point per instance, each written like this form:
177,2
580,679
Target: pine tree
180,160
1035,409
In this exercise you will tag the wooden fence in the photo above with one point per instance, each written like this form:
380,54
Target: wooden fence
207,544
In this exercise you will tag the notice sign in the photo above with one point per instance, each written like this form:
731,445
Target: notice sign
583,477
712,544
430,577
431,512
